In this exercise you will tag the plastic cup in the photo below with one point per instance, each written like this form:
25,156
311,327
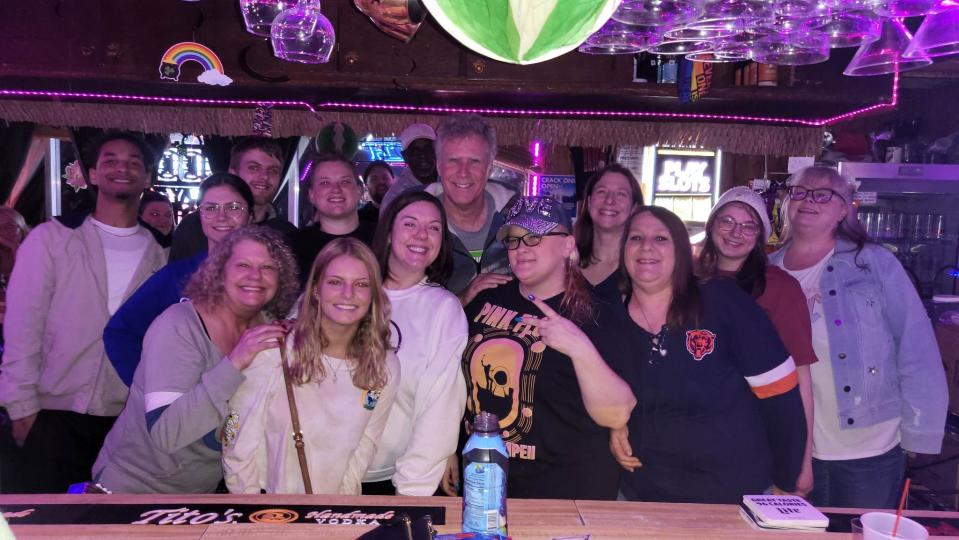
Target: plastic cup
855,525
878,526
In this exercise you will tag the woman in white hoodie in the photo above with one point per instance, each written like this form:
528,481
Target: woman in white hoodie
429,332
344,378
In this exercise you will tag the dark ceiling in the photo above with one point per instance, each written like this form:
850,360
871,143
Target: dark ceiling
116,45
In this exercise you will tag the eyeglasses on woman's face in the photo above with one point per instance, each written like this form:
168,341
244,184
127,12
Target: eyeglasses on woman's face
231,209
819,195
530,239
727,223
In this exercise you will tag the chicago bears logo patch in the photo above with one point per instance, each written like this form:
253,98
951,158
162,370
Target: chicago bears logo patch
699,343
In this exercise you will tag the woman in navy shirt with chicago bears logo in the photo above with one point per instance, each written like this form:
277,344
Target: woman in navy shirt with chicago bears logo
719,413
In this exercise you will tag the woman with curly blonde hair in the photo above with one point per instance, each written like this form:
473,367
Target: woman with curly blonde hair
208,287
195,356
344,379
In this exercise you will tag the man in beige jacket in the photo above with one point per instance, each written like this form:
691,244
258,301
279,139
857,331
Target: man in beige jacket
71,274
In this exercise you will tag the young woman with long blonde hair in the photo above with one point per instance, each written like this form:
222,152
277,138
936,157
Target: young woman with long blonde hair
344,377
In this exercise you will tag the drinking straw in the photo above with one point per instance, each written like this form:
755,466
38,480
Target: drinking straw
902,505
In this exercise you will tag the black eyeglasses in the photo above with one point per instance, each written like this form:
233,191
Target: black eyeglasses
819,195
530,239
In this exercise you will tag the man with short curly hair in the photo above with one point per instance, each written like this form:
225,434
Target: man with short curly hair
71,274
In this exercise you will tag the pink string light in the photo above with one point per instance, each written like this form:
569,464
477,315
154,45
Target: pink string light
420,109
533,188
306,171
894,101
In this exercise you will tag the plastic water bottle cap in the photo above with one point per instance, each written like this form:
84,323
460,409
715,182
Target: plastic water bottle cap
486,422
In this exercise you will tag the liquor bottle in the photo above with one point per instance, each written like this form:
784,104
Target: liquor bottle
670,71
646,68
485,467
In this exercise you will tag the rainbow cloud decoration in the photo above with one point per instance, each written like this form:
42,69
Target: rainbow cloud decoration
189,51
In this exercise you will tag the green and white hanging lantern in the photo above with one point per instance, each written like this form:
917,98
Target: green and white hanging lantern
521,31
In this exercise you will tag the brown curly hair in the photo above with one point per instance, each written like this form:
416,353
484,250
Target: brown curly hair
205,287
369,345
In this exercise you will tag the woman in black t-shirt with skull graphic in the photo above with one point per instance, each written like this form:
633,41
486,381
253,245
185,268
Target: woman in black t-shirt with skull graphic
541,356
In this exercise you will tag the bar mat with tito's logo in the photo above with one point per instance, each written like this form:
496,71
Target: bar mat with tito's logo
202,514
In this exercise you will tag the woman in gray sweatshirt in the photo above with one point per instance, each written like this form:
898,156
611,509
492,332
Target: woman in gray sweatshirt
167,438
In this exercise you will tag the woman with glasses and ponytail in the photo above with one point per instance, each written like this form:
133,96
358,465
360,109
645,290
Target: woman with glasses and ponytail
735,247
879,388
225,205
541,356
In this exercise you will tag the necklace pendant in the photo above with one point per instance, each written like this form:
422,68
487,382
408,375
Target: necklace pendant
662,352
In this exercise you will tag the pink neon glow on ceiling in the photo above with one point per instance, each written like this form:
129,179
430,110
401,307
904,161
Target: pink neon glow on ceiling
488,111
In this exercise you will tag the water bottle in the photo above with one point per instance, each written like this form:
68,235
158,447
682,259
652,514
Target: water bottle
485,466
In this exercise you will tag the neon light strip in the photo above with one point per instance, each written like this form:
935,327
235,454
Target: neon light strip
488,111
378,107
891,105
306,171
533,180
701,153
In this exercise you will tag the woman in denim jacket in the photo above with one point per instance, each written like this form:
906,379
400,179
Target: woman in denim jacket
879,387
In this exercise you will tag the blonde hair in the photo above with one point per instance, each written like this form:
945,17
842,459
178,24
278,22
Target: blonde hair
370,343
206,287
18,219
849,228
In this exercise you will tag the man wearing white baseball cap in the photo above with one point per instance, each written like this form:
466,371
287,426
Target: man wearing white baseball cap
420,157
418,152
735,247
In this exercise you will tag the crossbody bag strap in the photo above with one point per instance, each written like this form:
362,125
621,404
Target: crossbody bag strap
295,417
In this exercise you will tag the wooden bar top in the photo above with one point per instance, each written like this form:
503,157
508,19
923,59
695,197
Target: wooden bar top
528,519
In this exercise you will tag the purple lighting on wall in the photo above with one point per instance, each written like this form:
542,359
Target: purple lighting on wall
421,109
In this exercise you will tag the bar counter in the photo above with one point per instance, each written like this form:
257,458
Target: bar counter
528,519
